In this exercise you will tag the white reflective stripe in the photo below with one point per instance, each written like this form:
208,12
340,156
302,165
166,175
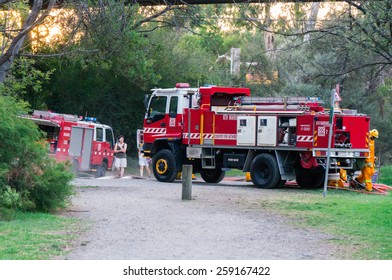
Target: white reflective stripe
154,130
226,136
304,138
58,150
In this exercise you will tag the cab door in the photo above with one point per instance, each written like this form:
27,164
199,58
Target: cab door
97,148
108,146
174,128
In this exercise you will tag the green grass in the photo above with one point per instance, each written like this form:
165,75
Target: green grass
386,175
235,173
36,236
361,222
88,187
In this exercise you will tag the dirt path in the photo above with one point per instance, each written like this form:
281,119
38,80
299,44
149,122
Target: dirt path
146,219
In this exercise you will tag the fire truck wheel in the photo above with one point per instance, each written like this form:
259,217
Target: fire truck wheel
75,167
264,171
164,166
312,178
101,170
212,175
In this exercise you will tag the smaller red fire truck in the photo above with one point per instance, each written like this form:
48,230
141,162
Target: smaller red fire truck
274,138
88,145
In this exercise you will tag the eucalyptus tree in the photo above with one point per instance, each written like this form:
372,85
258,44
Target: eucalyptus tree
13,35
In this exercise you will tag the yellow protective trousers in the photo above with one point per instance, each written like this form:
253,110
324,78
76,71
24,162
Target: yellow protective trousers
343,178
368,170
366,176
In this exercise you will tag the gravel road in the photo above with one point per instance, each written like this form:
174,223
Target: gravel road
143,219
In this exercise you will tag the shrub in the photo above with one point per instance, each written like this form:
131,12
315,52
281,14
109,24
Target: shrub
29,179
53,187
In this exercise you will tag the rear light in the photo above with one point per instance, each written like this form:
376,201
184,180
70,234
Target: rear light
320,153
182,85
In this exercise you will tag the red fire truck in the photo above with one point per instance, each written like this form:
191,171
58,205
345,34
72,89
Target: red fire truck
274,138
87,144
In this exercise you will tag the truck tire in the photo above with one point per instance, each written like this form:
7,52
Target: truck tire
264,171
312,178
101,170
75,167
212,175
164,166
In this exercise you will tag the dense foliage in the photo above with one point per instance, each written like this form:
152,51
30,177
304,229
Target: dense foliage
29,179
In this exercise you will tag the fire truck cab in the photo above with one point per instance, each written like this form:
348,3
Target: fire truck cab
88,145
274,138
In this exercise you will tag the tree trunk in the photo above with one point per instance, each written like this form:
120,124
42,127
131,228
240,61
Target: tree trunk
269,36
311,21
32,21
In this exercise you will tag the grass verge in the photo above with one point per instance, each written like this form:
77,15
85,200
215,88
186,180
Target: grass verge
37,236
362,222
386,175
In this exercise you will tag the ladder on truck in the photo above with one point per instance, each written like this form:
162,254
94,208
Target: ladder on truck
50,115
278,103
208,158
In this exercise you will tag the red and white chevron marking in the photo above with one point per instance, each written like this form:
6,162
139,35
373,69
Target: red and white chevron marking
193,135
302,138
211,136
154,130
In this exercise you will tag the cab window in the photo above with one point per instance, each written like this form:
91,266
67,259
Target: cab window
109,137
173,106
157,108
99,134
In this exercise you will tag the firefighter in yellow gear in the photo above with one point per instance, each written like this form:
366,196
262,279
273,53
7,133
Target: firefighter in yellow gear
343,178
367,170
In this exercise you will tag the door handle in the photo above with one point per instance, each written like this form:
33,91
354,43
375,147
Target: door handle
163,124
